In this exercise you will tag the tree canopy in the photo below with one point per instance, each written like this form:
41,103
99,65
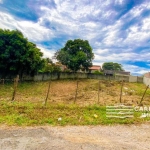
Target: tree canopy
77,54
18,55
112,66
49,66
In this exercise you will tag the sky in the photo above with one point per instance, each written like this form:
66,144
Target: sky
117,30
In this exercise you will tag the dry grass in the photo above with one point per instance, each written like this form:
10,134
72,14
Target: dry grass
28,108
63,91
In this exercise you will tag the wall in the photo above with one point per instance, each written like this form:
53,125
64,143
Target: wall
133,79
70,75
146,81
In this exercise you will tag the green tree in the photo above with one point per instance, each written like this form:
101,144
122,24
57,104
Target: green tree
76,54
49,66
18,55
112,66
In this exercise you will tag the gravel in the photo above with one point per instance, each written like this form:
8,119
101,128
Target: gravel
118,137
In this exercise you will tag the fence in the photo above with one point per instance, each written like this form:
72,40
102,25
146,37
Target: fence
70,75
72,91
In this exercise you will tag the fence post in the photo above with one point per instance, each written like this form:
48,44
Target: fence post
121,91
48,92
3,80
99,91
76,92
144,94
49,86
15,87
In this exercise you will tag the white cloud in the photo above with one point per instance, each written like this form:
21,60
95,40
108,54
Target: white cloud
112,39
46,52
135,70
137,10
121,57
1,1
33,31
119,1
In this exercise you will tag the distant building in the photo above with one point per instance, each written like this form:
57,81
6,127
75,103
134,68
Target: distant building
113,72
90,69
147,75
94,68
62,67
122,72
109,72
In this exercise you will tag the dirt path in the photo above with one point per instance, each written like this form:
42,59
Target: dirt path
120,137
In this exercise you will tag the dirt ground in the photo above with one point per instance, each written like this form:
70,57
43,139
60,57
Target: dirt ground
89,92
119,137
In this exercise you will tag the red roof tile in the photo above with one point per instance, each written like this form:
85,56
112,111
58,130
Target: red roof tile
94,67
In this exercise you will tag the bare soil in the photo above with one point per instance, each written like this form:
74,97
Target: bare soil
119,137
89,92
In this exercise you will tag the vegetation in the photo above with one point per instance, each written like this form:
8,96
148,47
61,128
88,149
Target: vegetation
28,107
76,55
98,72
58,114
112,66
18,55
49,66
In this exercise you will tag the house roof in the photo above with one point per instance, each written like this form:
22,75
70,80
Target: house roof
123,72
147,74
95,67
117,72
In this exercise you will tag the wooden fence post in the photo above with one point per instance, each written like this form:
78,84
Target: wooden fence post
15,87
121,91
3,81
49,86
144,94
76,92
99,91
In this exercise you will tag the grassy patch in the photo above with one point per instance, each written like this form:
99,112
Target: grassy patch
28,107
58,114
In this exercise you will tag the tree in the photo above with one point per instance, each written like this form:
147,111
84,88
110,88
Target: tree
112,66
76,54
18,55
49,66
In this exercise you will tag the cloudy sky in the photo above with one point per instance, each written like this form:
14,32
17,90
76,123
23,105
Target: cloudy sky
117,30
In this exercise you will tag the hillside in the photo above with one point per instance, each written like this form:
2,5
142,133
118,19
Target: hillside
89,92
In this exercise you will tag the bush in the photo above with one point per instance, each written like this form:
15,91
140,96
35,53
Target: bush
98,72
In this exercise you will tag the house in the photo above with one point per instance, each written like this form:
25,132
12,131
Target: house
109,72
90,69
62,67
122,73
147,75
94,68
113,72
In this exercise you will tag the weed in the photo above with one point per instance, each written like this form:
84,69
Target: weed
28,107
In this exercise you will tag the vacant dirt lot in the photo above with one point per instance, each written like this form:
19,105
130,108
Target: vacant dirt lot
89,92
119,137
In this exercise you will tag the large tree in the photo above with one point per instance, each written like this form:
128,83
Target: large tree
18,55
112,66
77,54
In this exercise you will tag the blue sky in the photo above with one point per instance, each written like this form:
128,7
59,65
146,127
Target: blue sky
117,30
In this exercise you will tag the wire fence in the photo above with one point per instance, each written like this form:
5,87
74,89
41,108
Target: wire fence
82,92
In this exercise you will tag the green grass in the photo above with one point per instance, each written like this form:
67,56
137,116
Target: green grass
29,114
28,109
